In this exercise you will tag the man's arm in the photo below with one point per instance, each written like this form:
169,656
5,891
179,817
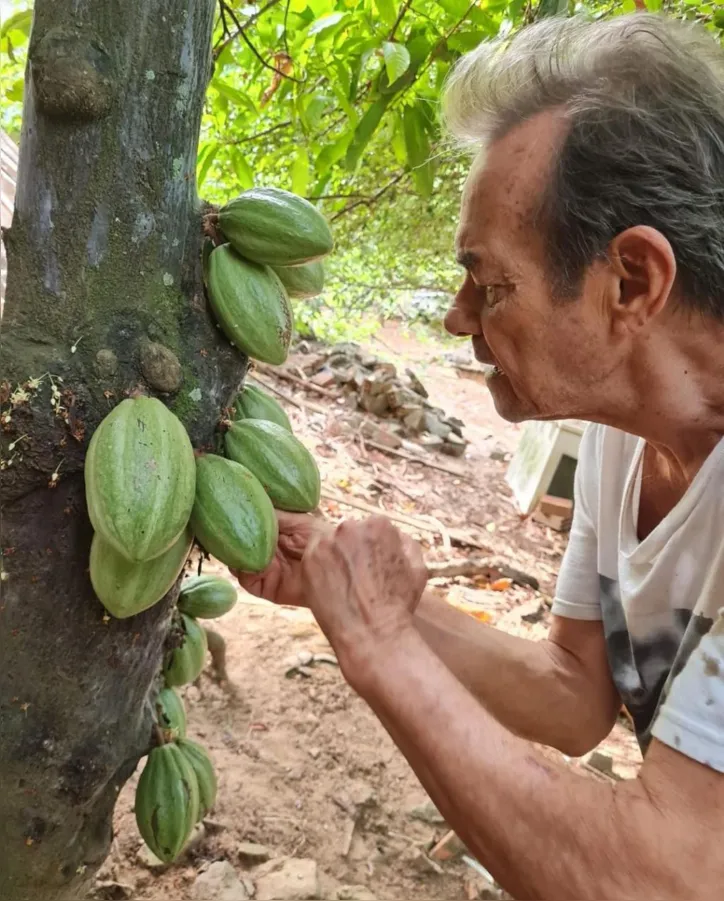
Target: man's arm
542,829
567,675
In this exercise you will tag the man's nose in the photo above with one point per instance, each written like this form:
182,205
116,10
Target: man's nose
463,317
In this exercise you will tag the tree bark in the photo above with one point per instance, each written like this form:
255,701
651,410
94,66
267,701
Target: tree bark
104,294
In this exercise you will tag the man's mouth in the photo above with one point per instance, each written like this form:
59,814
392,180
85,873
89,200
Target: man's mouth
491,371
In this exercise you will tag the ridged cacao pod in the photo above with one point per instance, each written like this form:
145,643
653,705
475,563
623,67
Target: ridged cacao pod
126,588
167,801
204,771
206,597
280,461
140,478
253,403
275,227
302,281
184,664
233,517
171,712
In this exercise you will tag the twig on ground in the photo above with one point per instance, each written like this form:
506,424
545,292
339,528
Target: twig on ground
432,464
295,380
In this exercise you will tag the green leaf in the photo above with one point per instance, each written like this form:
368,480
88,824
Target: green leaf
15,91
364,131
397,60
398,141
387,11
719,18
20,21
205,159
232,94
332,154
325,23
242,170
554,8
314,110
417,145
300,172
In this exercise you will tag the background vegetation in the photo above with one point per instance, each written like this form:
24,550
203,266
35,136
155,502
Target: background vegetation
338,100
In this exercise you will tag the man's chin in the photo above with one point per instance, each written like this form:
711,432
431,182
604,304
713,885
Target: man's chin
507,404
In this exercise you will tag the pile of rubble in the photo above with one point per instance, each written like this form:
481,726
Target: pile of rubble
377,388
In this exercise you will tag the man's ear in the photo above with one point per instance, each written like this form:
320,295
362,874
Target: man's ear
643,261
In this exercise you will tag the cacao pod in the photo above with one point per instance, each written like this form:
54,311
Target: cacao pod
233,518
206,597
251,305
253,403
302,281
204,771
184,664
275,227
126,588
140,478
171,712
280,461
167,801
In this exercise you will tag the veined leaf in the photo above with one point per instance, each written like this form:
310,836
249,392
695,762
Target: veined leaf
300,172
387,10
234,95
417,145
205,159
325,23
20,21
364,131
397,60
242,169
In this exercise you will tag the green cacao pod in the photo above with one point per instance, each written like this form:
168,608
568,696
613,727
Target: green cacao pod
167,801
140,478
253,403
126,588
251,305
206,597
275,227
280,461
184,664
204,771
171,712
302,281
232,517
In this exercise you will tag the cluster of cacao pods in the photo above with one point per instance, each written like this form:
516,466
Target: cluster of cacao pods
149,495
177,787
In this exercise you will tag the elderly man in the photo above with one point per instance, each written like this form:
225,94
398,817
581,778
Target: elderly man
592,237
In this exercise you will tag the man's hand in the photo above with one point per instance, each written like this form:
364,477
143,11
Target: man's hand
281,581
363,582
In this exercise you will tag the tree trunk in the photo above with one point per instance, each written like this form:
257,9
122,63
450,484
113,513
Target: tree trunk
104,294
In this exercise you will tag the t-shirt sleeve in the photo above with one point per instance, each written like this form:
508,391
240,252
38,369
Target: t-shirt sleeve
691,719
577,590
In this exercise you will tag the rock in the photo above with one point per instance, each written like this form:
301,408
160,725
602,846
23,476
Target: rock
251,852
427,813
295,880
380,435
324,378
148,859
436,426
219,883
411,447
400,397
353,893
160,367
415,420
430,442
416,384
106,363
374,403
454,445
112,891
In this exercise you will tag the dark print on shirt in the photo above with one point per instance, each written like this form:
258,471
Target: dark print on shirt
643,669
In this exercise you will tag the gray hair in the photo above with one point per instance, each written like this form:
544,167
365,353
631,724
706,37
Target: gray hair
644,100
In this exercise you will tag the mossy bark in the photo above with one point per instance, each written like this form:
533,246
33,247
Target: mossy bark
103,258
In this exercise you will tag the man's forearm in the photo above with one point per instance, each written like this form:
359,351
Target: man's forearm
517,679
541,829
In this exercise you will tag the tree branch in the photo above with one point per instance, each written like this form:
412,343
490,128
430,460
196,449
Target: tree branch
261,134
373,199
400,16
228,38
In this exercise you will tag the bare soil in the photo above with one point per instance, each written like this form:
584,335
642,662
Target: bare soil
297,755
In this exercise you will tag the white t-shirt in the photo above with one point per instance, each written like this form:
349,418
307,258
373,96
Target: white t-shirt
659,598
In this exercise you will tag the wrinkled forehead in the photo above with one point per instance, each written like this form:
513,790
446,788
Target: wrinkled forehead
506,180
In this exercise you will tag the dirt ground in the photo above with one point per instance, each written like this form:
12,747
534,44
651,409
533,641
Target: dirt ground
304,768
